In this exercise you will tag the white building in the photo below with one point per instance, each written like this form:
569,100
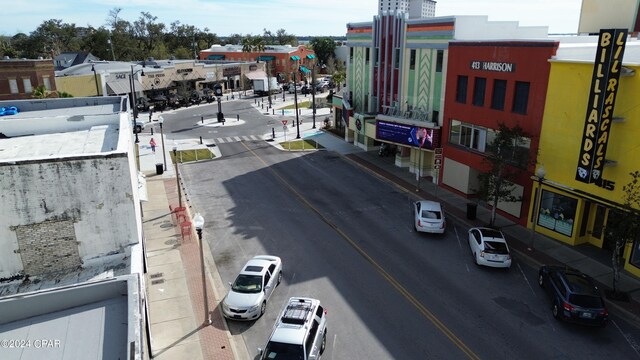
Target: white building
415,9
70,226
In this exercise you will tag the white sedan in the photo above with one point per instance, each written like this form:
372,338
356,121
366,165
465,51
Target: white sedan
429,217
489,248
249,293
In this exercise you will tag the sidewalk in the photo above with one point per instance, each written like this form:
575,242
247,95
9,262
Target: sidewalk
175,294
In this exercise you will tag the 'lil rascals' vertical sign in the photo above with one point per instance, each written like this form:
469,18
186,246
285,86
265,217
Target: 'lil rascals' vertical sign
602,97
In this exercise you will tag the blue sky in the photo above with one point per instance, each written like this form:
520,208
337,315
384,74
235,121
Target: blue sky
299,17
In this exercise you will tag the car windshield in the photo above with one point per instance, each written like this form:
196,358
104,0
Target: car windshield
431,214
281,351
586,301
494,247
249,284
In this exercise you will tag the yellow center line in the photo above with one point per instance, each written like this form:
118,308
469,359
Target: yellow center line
390,279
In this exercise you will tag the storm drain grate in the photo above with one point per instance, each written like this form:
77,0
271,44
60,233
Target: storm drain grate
156,275
156,282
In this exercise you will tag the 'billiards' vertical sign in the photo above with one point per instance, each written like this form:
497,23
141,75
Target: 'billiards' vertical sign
602,97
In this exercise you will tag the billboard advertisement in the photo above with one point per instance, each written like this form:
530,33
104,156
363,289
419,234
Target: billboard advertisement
602,98
421,137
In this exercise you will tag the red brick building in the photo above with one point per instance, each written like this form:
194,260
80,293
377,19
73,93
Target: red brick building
488,83
19,78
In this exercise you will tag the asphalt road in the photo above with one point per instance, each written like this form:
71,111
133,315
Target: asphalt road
347,238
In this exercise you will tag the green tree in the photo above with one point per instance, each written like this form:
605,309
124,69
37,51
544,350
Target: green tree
623,225
40,92
506,158
324,47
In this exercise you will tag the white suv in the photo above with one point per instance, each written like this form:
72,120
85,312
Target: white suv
299,333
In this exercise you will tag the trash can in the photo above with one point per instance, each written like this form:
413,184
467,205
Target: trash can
471,211
159,169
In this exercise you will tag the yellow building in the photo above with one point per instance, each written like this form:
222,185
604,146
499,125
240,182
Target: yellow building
587,154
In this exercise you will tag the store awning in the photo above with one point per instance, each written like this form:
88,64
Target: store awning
295,58
266,58
122,86
311,56
256,75
304,70
215,57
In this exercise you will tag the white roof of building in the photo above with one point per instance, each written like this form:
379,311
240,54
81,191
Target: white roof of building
583,49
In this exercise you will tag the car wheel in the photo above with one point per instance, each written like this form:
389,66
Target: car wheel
555,310
263,308
279,278
540,280
324,342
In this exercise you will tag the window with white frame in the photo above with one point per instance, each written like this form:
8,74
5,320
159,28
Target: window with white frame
468,135
27,85
47,83
13,86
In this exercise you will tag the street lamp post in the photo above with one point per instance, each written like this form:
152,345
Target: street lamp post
95,77
164,152
198,222
540,174
313,94
175,160
295,100
133,99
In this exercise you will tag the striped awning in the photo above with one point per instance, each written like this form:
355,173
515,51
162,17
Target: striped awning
295,58
304,70
123,86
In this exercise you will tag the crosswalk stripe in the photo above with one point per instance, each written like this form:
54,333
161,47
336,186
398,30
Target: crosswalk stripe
237,139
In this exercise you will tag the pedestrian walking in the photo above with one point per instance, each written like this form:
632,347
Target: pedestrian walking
152,143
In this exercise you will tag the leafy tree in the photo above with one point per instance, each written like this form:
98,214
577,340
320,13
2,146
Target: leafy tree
282,38
506,157
234,39
324,47
623,225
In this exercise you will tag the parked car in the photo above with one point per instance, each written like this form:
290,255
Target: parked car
574,295
489,247
297,88
247,299
429,217
300,332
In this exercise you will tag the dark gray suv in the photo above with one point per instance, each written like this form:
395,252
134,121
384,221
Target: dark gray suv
574,295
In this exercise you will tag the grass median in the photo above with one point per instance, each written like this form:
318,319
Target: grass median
301,144
185,156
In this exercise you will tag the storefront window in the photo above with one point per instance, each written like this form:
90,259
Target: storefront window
635,254
557,212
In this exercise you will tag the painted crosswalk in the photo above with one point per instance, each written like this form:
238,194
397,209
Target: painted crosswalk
230,139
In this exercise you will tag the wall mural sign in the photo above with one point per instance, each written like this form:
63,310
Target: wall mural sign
415,136
602,98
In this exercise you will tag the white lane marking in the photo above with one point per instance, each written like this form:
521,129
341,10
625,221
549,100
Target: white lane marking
457,237
634,345
526,280
228,139
467,265
237,138
333,346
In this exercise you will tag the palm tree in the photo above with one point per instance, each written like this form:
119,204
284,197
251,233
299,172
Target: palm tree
40,92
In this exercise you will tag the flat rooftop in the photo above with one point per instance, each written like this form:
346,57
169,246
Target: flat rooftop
45,129
85,321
